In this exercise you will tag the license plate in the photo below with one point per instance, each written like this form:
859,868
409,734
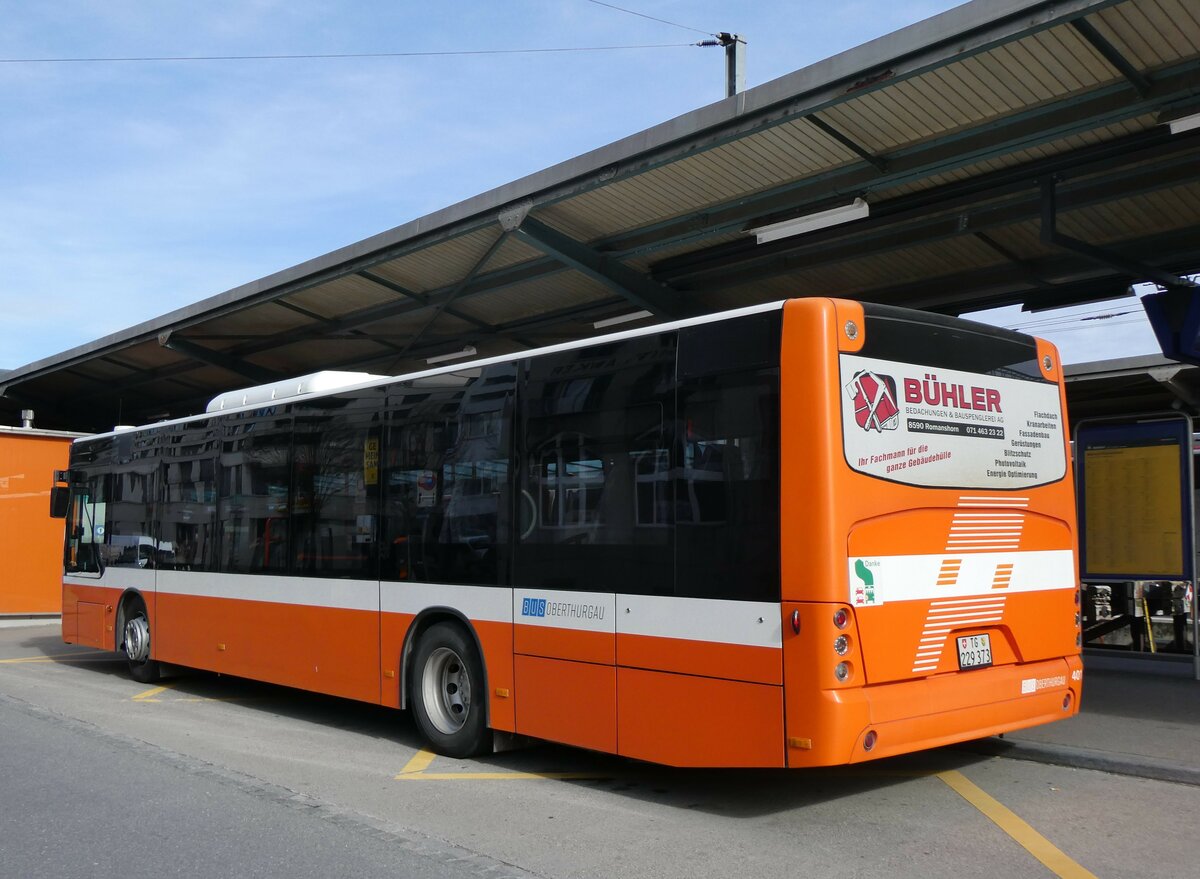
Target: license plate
974,651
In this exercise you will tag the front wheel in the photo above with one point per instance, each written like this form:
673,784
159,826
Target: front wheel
135,644
448,692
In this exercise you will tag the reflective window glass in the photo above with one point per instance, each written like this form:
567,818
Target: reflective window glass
446,505
255,483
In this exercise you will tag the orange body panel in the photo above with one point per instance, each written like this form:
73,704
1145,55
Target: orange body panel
704,658
31,543
326,650
581,646
496,639
683,720
393,629
926,531
89,615
570,702
831,513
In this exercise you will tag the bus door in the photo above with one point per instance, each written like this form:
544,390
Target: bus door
698,635
564,636
592,521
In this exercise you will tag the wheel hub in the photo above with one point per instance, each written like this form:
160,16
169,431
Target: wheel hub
137,639
446,688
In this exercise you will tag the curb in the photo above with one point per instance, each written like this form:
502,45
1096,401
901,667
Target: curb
1086,758
24,622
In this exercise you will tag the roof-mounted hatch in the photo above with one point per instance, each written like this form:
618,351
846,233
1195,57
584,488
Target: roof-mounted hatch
316,383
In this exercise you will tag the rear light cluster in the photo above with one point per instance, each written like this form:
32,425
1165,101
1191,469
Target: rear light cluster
848,659
842,643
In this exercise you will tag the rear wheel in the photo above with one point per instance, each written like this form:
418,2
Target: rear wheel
135,644
447,692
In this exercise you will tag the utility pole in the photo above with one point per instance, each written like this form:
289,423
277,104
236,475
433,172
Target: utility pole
735,63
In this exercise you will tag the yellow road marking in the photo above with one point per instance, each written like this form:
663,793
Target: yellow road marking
53,657
419,763
148,695
151,694
493,776
1004,818
414,770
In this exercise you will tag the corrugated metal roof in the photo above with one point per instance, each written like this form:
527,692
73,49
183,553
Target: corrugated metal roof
949,129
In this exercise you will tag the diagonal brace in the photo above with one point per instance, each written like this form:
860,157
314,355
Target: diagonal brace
634,286
249,371
1051,235
1140,82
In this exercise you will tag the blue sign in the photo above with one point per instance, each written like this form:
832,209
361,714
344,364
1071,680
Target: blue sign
533,607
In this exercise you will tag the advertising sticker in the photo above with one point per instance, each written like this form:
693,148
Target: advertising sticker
945,428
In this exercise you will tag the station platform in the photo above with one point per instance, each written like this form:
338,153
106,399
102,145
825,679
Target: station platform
1138,717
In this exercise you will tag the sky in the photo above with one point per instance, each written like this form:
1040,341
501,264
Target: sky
129,189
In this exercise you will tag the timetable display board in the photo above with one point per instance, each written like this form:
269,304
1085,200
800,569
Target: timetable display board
1135,500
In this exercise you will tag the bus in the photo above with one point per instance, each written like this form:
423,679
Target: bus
805,533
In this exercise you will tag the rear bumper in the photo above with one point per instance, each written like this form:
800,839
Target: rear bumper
942,709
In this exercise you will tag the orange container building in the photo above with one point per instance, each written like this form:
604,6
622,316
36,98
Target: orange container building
30,541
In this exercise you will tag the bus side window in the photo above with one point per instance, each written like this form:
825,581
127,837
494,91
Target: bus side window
87,523
593,494
335,486
189,504
726,485
255,491
132,541
446,479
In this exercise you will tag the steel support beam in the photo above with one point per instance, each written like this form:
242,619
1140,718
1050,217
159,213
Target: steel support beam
444,304
1079,279
880,164
1002,198
1103,256
637,288
257,374
1136,78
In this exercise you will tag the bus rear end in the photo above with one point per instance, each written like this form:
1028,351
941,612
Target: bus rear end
929,576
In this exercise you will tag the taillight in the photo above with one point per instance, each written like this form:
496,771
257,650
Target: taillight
841,618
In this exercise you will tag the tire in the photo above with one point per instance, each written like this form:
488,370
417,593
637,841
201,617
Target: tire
135,643
448,694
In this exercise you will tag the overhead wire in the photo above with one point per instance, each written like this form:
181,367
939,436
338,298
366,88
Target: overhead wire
1130,317
299,56
1067,319
651,17
1117,323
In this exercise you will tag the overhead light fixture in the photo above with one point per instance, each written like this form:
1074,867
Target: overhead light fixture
622,319
467,351
856,210
1185,123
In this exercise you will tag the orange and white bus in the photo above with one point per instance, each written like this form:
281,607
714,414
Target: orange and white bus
806,533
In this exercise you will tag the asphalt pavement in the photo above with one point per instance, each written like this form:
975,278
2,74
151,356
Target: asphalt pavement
1138,717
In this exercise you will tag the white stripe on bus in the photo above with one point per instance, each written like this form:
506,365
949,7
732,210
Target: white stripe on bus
745,623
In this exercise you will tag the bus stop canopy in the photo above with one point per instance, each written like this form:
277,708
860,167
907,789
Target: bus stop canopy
1006,151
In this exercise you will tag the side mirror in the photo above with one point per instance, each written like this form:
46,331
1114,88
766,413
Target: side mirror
60,501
